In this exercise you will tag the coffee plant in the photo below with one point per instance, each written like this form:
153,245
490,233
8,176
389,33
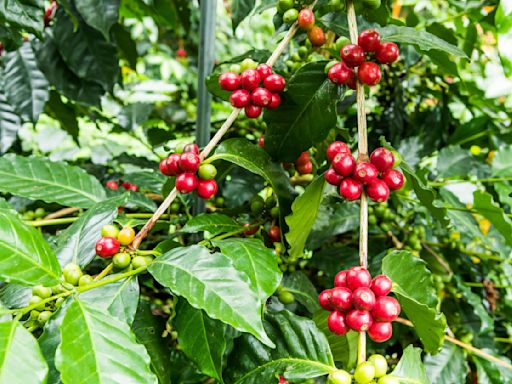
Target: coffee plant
255,191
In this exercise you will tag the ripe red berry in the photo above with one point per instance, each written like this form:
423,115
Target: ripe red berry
380,331
369,40
363,298
304,158
341,298
186,182
130,186
381,285
276,101
274,83
340,73
305,169
264,70
350,189
359,320
316,36
340,280
394,179
352,55
332,177
382,158
337,147
189,162
336,323
369,73
378,191
387,53
240,98
324,299
261,141
164,168
173,164
274,233
365,172
192,147
343,164
306,19
261,97
358,277
386,308
181,53
252,111
112,184
206,189
229,81
282,380
107,247
352,84
250,79
250,231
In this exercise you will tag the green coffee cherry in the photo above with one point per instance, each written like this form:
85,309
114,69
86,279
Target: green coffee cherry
235,68
39,213
109,230
364,373
44,317
335,5
207,171
72,274
139,262
36,300
59,302
29,215
339,377
34,314
372,220
121,260
385,227
42,292
380,363
257,205
274,212
303,52
56,289
341,42
284,5
290,16
248,64
371,4
286,297
175,207
85,280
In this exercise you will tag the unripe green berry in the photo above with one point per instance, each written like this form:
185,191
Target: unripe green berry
44,317
372,220
364,373
303,52
34,314
371,4
72,274
175,207
121,260
290,16
207,171
39,213
274,212
42,292
29,215
219,201
139,262
341,42
339,377
380,363
284,5
257,206
85,280
59,302
109,230
248,63
286,297
36,300
235,68
56,289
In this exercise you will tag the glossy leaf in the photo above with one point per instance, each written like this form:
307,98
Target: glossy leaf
303,290
254,259
10,123
484,204
413,286
448,366
211,282
21,361
24,14
25,257
99,14
15,295
213,223
486,324
241,9
98,348
491,373
38,178
454,161
410,367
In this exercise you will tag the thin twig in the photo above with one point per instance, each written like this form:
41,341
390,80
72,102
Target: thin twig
61,213
438,257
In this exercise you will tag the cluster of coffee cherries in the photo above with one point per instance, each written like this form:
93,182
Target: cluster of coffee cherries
190,174
359,56
373,369
248,93
114,185
361,304
376,176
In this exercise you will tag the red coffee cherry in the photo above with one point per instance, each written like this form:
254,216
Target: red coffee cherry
383,159
173,164
359,320
240,98
261,141
189,162
387,53
332,177
324,300
394,179
261,97
252,111
343,164
250,231
358,277
305,169
229,81
350,189
340,73
386,309
181,53
380,331
186,182
164,168
381,285
192,147
369,40
130,186
352,84
275,102
369,73
378,191
341,298
363,298
274,83
352,55
274,233
106,247
250,79
112,184
340,280
306,19
337,147
282,380
264,70
316,36
304,158
365,172
206,189
336,323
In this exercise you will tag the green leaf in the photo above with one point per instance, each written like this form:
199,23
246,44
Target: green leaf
99,14
486,324
25,85
302,219
149,330
127,46
454,161
303,290
246,155
301,352
77,244
96,348
211,282
241,9
202,339
413,286
38,178
15,295
484,204
254,259
65,113
213,223
25,257
422,39
10,123
448,366
305,116
491,373
24,14
148,180
410,367
21,361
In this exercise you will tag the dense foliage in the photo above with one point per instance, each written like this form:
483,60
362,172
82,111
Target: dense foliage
94,94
